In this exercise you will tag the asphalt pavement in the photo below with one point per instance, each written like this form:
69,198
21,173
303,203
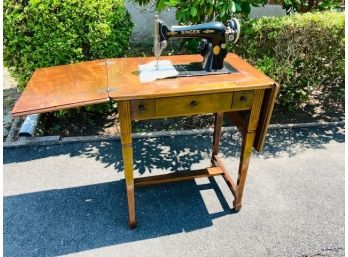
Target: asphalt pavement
70,199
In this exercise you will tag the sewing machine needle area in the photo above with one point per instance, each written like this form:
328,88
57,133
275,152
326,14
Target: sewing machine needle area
156,70
165,69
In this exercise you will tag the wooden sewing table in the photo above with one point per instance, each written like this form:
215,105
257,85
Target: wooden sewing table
247,97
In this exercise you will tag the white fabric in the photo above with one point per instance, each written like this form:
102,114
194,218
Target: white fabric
149,73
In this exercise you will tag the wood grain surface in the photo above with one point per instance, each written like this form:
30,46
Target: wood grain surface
86,83
124,81
63,87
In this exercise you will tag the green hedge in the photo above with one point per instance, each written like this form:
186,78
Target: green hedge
304,53
41,33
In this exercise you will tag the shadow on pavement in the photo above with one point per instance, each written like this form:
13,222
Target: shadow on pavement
56,222
177,153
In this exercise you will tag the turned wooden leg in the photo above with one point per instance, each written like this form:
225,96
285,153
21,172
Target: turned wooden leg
217,134
247,145
127,153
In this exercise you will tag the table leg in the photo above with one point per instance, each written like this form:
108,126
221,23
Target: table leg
247,146
217,134
127,153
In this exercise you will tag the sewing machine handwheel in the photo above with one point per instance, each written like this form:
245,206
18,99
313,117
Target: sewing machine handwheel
235,26
193,103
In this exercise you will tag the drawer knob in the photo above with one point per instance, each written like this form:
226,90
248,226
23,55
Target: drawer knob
141,107
193,103
243,98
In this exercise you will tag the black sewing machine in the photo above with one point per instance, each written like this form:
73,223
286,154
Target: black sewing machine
214,36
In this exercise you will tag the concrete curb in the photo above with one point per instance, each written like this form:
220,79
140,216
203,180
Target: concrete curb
56,140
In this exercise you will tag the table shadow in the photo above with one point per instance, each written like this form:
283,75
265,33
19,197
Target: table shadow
63,221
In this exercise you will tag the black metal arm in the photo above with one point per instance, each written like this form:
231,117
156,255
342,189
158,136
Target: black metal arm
213,34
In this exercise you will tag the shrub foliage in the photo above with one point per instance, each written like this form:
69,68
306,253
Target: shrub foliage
198,11
303,6
304,53
45,33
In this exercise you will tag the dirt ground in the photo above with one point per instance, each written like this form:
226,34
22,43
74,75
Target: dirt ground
10,96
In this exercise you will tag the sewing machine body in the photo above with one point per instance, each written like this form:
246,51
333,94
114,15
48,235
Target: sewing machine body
214,37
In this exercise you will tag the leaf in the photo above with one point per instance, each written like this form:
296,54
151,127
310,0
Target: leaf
233,7
179,16
223,10
245,7
193,11
238,7
161,5
210,11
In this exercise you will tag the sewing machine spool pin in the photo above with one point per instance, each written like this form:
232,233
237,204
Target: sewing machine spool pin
214,37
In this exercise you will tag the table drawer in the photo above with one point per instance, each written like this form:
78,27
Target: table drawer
194,104
191,104
142,109
242,100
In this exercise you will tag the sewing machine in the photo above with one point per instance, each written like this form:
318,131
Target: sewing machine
214,36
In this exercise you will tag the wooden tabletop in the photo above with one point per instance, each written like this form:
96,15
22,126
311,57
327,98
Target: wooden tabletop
74,85
63,87
124,79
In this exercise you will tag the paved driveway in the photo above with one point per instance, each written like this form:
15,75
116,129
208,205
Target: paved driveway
70,199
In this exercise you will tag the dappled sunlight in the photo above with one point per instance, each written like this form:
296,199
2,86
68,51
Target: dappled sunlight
176,153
